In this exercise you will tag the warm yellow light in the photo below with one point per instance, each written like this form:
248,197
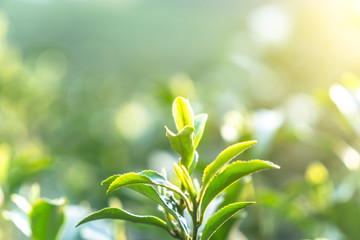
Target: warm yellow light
5,152
182,85
132,120
316,173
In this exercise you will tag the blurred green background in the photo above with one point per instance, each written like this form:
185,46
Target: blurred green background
86,88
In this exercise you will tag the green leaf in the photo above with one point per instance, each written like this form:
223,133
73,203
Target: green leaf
194,162
116,213
220,217
46,218
151,193
185,179
199,124
183,143
144,177
229,175
183,113
109,180
232,194
224,157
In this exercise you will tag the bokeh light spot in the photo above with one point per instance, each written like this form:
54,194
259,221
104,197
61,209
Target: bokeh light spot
351,158
270,23
233,124
343,99
316,173
182,85
132,120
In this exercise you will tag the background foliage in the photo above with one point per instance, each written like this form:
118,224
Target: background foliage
86,86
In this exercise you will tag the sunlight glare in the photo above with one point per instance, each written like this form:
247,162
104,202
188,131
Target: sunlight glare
343,100
270,23
351,158
132,120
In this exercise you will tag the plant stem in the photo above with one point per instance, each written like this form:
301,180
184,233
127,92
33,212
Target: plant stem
194,216
196,228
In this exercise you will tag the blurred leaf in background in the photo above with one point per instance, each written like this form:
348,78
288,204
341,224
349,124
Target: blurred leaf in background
46,218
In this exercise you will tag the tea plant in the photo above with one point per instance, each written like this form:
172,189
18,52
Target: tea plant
189,196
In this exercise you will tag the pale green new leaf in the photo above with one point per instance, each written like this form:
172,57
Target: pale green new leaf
144,177
183,113
229,175
224,157
220,217
183,143
185,179
115,213
199,124
46,218
194,162
110,179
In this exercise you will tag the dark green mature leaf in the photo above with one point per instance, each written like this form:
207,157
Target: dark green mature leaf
144,177
220,217
224,157
151,193
199,124
115,213
232,194
183,143
229,175
46,218
183,113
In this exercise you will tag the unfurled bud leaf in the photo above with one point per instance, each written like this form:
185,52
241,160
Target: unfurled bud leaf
183,143
183,113
185,179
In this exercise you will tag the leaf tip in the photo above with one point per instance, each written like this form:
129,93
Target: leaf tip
78,224
169,132
273,165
